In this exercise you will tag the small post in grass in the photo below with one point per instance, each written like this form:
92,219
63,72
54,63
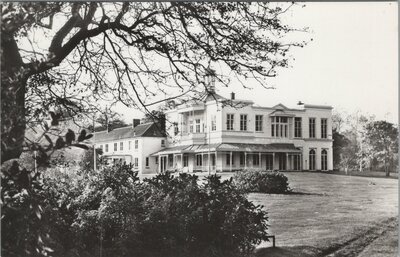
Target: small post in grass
273,240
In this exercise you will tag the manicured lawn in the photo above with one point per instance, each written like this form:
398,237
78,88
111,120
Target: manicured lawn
331,215
338,215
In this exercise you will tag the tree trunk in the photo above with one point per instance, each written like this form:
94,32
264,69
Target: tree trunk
13,86
387,170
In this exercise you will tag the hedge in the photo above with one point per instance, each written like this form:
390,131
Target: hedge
256,181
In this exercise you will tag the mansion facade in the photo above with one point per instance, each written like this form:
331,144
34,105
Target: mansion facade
227,134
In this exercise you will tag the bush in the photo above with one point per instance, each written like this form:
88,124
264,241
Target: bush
270,182
112,211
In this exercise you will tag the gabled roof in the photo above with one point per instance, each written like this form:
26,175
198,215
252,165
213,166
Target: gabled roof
212,97
280,106
142,130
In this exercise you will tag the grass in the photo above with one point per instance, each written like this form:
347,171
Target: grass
336,216
331,215
367,173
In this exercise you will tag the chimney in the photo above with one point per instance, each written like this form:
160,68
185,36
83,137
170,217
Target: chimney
135,122
232,96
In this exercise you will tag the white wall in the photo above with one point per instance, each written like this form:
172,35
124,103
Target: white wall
146,147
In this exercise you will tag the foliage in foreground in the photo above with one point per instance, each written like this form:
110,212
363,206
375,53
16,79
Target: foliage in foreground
255,181
112,211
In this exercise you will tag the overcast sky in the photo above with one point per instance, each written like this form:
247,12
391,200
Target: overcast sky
351,64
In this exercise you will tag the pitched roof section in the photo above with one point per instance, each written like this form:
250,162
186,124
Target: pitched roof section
280,106
231,147
142,130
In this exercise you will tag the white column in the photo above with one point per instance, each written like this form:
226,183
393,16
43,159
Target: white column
245,160
231,162
216,162
159,163
181,161
208,162
287,161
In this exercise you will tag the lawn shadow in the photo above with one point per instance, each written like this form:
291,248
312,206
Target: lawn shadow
293,251
302,193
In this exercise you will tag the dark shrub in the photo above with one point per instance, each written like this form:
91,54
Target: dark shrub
113,212
270,182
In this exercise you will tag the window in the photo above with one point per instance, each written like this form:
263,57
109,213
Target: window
191,126
243,122
256,160
213,160
279,127
136,144
106,147
242,159
229,121
213,123
297,127
312,159
136,162
228,159
324,160
101,147
312,127
185,161
162,143
115,147
270,162
197,125
296,162
147,161
324,128
259,123
121,146
199,160
129,145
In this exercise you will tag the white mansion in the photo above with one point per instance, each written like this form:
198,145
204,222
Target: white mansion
220,134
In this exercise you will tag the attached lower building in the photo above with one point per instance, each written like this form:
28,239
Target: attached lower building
227,134
132,145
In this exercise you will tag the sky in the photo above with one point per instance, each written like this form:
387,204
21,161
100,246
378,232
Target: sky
351,63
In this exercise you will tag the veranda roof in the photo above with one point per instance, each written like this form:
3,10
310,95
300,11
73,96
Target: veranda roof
230,147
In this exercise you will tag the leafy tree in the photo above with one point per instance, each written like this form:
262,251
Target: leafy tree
338,121
340,142
157,116
381,142
110,121
99,52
